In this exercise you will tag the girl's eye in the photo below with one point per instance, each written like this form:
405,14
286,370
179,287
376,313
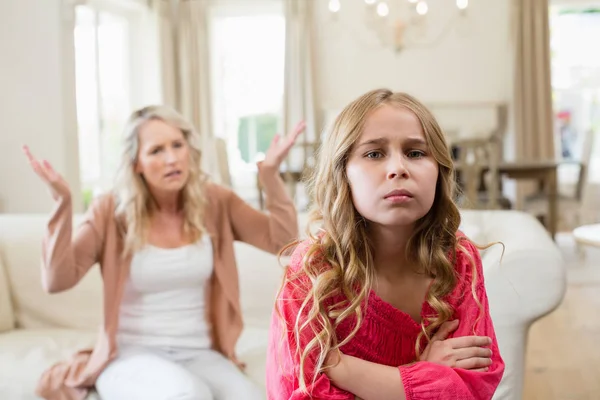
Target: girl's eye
374,154
156,150
415,154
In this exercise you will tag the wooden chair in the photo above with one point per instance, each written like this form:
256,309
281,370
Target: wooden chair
571,204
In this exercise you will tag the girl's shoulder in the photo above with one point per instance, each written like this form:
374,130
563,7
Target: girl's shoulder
467,260
306,251
465,246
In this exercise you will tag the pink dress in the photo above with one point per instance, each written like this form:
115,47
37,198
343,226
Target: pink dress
386,336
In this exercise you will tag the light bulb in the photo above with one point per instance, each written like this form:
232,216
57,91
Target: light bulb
462,4
422,8
382,9
334,6
370,2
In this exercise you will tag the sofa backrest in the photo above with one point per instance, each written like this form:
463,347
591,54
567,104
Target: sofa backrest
7,317
81,306
21,247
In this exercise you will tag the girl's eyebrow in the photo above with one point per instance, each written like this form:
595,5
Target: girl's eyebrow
413,141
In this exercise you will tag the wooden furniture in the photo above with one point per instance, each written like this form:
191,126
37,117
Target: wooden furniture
572,204
478,159
291,178
541,171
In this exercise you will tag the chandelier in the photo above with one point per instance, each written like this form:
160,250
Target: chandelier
402,23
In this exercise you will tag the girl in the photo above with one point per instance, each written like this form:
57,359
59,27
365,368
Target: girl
164,240
369,304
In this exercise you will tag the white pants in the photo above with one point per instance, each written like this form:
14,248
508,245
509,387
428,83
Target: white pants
174,374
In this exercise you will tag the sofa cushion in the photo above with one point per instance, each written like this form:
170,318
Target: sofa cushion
7,317
21,248
26,353
252,350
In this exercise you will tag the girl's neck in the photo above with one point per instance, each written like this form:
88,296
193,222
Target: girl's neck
389,249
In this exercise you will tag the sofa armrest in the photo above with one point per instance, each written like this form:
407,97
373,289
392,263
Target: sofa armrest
525,283
7,316
530,278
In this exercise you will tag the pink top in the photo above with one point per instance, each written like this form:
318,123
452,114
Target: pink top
386,336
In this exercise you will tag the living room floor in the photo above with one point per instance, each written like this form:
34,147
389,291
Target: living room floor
563,355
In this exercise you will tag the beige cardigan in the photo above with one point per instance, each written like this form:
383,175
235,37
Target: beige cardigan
67,257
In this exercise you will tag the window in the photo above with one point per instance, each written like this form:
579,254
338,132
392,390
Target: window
575,83
107,52
247,51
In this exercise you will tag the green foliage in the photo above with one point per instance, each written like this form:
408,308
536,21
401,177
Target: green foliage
255,133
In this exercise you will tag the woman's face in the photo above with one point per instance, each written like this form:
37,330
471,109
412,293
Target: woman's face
163,157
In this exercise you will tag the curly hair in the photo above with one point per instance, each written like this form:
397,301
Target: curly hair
343,243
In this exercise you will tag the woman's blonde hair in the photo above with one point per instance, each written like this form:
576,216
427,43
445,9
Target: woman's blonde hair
135,203
344,246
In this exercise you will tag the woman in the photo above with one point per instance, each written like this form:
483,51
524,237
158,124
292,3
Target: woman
164,241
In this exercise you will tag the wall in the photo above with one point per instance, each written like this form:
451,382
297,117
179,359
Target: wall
471,62
36,103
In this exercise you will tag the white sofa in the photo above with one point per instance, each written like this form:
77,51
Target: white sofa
37,329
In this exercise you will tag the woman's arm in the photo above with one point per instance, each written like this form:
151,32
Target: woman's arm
66,257
64,260
268,231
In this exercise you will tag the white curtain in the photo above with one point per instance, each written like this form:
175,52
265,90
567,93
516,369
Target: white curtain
533,88
185,69
299,94
534,128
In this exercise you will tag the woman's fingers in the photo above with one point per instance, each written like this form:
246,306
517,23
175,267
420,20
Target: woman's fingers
51,174
27,153
37,167
57,185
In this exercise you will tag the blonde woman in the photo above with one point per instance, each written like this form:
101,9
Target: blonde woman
387,301
164,241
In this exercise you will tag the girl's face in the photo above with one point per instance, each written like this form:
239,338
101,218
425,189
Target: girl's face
391,171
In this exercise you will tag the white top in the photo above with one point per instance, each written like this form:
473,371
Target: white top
164,302
588,234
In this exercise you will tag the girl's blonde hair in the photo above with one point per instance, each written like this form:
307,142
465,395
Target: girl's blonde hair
135,204
345,247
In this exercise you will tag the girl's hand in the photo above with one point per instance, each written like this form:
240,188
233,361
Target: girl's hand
467,352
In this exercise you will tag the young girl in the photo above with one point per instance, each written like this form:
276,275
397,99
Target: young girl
387,301
164,239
